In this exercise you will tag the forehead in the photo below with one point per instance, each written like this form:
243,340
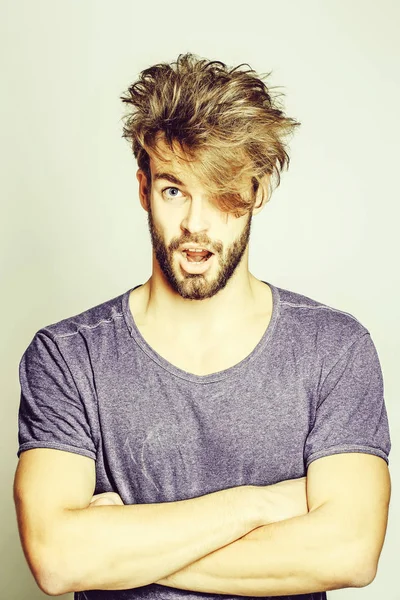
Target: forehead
170,161
182,172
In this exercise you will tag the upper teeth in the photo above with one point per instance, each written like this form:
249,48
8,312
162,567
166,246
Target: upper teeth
194,250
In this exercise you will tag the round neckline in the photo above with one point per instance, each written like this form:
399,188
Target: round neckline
210,377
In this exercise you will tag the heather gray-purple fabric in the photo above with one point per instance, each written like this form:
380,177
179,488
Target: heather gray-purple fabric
92,385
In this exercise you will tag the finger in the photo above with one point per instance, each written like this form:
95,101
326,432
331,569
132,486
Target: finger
106,498
102,502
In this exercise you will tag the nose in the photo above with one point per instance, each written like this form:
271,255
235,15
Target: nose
197,215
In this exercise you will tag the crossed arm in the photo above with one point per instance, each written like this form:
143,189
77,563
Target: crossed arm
336,544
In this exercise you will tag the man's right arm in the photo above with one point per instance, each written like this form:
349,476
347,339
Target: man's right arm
71,547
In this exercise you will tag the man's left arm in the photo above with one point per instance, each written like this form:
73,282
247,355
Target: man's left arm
337,544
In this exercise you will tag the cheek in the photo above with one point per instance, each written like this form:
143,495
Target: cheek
166,229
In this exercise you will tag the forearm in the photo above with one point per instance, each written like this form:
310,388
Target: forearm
121,547
297,556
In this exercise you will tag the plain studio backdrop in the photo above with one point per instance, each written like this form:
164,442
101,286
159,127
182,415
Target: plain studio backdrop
73,233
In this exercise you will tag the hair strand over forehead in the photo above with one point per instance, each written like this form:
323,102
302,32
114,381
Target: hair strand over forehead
225,122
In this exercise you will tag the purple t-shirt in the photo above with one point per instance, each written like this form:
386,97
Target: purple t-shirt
311,387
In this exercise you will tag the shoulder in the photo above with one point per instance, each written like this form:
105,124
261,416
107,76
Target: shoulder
327,329
94,321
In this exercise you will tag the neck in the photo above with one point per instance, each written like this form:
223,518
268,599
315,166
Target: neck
243,298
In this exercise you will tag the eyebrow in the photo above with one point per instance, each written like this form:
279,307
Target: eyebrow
168,177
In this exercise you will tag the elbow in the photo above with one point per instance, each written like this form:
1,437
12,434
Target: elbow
54,577
347,566
51,583
364,573
49,579
360,570
360,579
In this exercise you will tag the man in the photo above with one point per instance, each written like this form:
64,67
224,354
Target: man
205,432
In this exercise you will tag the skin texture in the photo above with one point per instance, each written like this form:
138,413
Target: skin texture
328,533
331,541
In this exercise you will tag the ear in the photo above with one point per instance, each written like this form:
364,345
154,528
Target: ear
262,189
143,188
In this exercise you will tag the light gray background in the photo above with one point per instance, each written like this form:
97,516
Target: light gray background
73,233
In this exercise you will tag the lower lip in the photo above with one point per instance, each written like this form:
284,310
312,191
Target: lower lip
195,267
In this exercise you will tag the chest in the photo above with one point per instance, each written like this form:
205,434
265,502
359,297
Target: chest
201,355
165,439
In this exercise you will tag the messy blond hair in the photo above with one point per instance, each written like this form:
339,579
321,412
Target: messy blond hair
223,120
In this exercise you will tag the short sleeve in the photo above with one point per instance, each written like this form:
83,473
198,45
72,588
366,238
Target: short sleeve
51,412
351,414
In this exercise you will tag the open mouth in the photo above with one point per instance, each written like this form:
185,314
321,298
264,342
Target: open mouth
197,256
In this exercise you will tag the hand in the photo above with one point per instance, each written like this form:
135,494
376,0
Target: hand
281,501
288,499
105,498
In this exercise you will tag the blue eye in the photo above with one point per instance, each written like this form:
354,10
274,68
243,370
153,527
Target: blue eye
171,188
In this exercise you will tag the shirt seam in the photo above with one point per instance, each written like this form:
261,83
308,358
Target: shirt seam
250,357
238,368
56,445
82,326
344,448
326,307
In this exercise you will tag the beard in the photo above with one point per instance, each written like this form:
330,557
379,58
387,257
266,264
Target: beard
197,286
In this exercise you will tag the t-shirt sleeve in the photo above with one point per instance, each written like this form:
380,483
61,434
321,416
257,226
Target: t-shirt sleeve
51,411
351,414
